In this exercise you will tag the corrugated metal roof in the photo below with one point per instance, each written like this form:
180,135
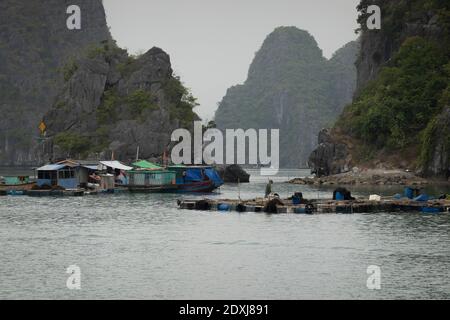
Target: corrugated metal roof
51,167
115,165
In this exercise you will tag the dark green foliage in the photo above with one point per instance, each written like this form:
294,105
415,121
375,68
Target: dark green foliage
139,101
183,102
398,105
69,69
107,111
73,143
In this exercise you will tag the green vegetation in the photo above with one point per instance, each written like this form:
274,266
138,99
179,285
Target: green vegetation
128,66
107,111
183,101
403,110
398,105
139,101
69,69
73,143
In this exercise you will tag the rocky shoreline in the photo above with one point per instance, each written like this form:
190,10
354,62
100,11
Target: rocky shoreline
367,177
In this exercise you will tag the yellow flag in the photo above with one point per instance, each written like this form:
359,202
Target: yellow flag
42,127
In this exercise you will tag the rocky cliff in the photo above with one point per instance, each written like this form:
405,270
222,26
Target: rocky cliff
399,116
112,103
34,44
291,87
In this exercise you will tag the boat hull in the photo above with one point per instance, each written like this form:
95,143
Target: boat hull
196,187
153,189
17,187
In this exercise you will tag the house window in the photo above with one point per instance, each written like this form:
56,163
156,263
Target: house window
66,174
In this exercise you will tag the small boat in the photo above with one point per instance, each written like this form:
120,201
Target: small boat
196,179
16,183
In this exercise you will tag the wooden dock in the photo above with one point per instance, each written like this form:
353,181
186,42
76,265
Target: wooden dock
318,206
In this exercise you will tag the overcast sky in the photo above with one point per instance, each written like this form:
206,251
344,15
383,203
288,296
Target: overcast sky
212,42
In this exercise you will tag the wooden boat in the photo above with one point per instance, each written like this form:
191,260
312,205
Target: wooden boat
16,183
17,187
196,187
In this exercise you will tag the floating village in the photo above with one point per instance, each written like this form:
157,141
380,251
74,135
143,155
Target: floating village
79,178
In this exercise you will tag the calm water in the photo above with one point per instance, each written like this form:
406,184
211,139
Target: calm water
142,246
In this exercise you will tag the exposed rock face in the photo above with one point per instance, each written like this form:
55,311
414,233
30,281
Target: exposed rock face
329,157
233,174
378,47
438,164
34,44
114,104
293,88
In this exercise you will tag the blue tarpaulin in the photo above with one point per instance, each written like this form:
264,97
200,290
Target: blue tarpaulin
194,175
212,174
199,174
422,197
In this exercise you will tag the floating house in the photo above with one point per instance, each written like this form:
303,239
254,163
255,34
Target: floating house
67,174
149,177
53,175
117,169
152,181
107,183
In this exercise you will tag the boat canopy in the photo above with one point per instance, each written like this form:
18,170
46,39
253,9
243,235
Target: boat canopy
196,174
115,165
144,164
214,176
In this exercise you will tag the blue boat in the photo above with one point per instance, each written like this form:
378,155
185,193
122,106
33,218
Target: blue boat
150,178
196,179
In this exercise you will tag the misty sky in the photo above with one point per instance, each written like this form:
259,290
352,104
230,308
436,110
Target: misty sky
212,42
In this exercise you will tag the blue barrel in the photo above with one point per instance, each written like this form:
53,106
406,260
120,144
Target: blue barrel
339,196
223,207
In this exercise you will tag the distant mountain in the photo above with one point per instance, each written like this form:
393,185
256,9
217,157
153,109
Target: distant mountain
291,87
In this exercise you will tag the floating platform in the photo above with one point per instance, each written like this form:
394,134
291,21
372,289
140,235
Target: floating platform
318,206
56,193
